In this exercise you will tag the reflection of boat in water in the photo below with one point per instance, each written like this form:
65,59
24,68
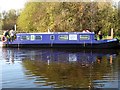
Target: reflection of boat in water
55,55
71,69
74,69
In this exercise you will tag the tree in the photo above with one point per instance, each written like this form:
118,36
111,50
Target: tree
9,19
1,23
68,16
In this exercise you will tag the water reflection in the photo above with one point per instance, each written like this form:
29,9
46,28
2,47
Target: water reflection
53,55
68,68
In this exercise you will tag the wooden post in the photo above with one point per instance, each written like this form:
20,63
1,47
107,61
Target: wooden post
15,27
111,34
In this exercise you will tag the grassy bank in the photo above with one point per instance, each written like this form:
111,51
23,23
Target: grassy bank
118,37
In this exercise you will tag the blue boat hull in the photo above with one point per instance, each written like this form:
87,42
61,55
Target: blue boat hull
59,40
112,45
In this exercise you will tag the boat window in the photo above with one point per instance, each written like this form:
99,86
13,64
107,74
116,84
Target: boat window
73,37
25,38
38,37
84,37
32,37
63,37
52,37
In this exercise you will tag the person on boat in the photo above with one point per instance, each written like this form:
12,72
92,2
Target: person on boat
86,31
100,35
12,35
6,35
96,35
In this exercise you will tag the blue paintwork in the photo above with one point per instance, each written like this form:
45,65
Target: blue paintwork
56,55
46,39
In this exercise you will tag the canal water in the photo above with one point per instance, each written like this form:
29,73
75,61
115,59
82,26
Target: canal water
55,68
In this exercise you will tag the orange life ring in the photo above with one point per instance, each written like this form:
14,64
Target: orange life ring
3,39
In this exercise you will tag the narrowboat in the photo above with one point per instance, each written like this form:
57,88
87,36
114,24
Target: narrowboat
60,40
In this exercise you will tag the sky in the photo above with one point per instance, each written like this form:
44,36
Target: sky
6,5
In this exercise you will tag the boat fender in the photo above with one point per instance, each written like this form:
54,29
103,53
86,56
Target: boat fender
3,39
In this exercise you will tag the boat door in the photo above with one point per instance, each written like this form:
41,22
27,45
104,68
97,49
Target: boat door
52,38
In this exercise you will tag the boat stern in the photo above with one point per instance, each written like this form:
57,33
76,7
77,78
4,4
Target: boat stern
115,42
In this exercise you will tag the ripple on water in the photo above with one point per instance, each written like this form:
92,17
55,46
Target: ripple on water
16,74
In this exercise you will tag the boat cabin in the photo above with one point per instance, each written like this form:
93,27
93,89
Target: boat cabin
56,37
60,39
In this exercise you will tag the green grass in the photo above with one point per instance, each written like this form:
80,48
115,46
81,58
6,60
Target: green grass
118,37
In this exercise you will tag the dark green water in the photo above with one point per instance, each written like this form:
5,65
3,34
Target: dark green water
51,68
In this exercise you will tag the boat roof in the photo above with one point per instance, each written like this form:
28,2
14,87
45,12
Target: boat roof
60,33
